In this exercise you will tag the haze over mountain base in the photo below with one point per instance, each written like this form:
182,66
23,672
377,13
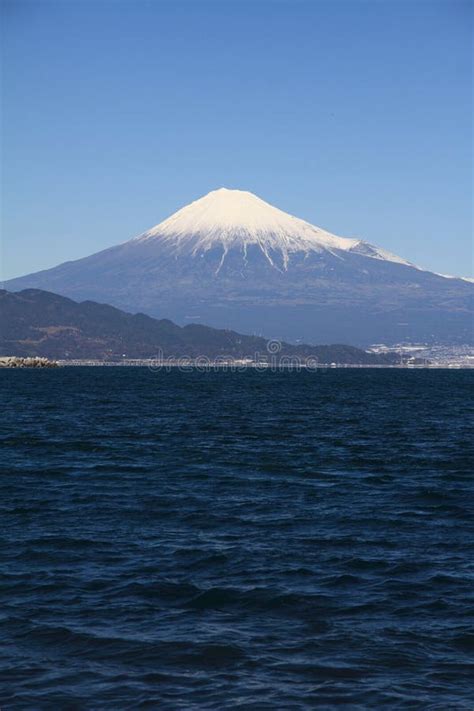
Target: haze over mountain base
230,260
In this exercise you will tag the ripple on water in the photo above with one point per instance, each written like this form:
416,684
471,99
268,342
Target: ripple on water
219,540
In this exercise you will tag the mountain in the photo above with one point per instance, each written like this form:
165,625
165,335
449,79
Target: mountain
232,260
39,323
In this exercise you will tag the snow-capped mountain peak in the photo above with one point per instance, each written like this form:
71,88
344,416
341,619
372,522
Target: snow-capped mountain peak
232,261
238,219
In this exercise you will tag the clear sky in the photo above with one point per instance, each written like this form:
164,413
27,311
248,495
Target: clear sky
353,115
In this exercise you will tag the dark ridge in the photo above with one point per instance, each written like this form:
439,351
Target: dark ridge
34,322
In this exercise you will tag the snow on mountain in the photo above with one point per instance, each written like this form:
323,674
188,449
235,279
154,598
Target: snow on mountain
238,219
450,276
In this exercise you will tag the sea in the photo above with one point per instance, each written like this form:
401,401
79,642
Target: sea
236,540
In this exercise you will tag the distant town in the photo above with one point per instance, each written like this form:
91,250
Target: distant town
455,356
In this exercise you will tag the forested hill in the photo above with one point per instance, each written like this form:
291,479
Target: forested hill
39,323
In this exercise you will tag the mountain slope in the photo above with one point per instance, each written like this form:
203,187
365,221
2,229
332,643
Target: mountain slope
231,260
39,323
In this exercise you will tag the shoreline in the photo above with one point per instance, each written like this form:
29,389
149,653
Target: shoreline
233,365
237,365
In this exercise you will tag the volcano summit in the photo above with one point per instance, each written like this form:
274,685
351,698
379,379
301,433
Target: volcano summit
237,219
231,260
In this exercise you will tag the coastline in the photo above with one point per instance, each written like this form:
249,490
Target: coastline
240,365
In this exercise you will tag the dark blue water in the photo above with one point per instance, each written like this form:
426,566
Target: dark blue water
236,541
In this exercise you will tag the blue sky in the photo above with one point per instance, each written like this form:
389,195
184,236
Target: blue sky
354,115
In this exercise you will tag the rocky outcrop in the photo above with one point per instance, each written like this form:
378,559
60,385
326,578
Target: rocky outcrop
15,362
